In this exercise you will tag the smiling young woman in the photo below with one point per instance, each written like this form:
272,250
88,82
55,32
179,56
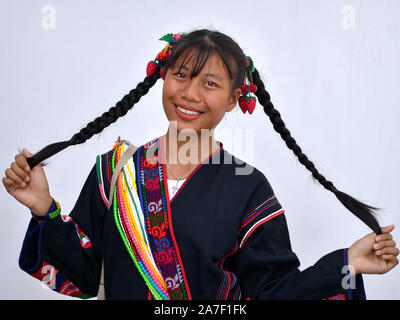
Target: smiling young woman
195,105
222,235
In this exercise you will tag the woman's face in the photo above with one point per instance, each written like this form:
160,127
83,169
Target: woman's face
209,93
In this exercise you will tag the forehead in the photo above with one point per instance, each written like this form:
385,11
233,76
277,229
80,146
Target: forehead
212,66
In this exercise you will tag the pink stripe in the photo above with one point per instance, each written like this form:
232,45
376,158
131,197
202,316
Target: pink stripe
103,196
265,200
220,263
253,216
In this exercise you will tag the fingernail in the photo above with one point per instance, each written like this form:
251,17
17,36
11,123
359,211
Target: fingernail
376,246
27,168
23,184
27,179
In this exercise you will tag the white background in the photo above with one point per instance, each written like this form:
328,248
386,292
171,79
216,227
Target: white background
331,67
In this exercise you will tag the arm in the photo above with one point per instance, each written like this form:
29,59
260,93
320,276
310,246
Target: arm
66,250
267,268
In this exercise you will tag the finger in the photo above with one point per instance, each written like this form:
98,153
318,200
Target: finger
9,184
384,236
388,257
21,161
389,250
13,176
387,229
27,153
19,172
391,264
384,244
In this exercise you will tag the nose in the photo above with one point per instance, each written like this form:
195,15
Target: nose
191,91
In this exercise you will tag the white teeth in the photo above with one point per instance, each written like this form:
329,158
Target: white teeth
187,111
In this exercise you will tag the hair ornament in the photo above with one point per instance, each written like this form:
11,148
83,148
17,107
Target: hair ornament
163,55
247,101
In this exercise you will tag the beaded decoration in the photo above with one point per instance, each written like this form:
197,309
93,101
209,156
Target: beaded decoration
130,223
247,102
163,55
156,208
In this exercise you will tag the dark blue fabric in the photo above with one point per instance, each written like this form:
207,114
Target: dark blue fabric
207,214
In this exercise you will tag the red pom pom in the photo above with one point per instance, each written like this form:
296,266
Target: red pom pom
253,87
244,89
161,56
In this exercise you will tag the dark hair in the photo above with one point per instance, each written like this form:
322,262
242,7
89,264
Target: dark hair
202,43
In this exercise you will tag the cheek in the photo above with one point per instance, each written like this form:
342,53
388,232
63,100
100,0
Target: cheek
171,88
216,104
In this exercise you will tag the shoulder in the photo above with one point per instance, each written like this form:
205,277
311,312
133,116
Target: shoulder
262,203
104,168
245,176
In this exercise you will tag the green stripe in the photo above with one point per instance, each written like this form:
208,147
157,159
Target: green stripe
98,169
125,241
136,209
55,213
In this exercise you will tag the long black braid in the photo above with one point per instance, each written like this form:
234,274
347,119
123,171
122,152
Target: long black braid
98,124
361,210
205,42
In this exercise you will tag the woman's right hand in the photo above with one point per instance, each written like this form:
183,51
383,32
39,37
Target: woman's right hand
28,186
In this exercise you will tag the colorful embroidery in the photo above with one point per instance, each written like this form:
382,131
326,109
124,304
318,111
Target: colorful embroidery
57,281
129,220
83,238
229,288
156,209
338,297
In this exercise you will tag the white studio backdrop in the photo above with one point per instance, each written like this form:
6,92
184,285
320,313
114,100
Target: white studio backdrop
331,67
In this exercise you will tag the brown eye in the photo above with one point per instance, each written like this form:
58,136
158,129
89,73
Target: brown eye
178,73
214,84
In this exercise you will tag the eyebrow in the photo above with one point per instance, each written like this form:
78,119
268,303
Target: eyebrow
215,75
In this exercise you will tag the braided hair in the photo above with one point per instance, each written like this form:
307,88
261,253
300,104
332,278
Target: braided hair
202,43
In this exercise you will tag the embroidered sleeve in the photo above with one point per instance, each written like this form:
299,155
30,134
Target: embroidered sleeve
267,268
262,207
64,251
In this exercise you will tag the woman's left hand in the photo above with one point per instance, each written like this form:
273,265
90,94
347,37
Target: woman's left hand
374,254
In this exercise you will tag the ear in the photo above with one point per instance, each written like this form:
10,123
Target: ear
234,99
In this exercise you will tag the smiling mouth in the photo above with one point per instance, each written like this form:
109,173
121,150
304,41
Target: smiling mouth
188,112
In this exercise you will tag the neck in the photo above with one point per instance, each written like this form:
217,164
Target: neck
187,149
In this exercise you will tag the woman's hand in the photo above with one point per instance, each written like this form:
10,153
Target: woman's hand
374,254
28,186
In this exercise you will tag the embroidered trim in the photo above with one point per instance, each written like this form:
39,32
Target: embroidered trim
253,218
229,289
253,213
55,213
259,223
57,281
100,180
83,238
156,208
128,217
338,297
